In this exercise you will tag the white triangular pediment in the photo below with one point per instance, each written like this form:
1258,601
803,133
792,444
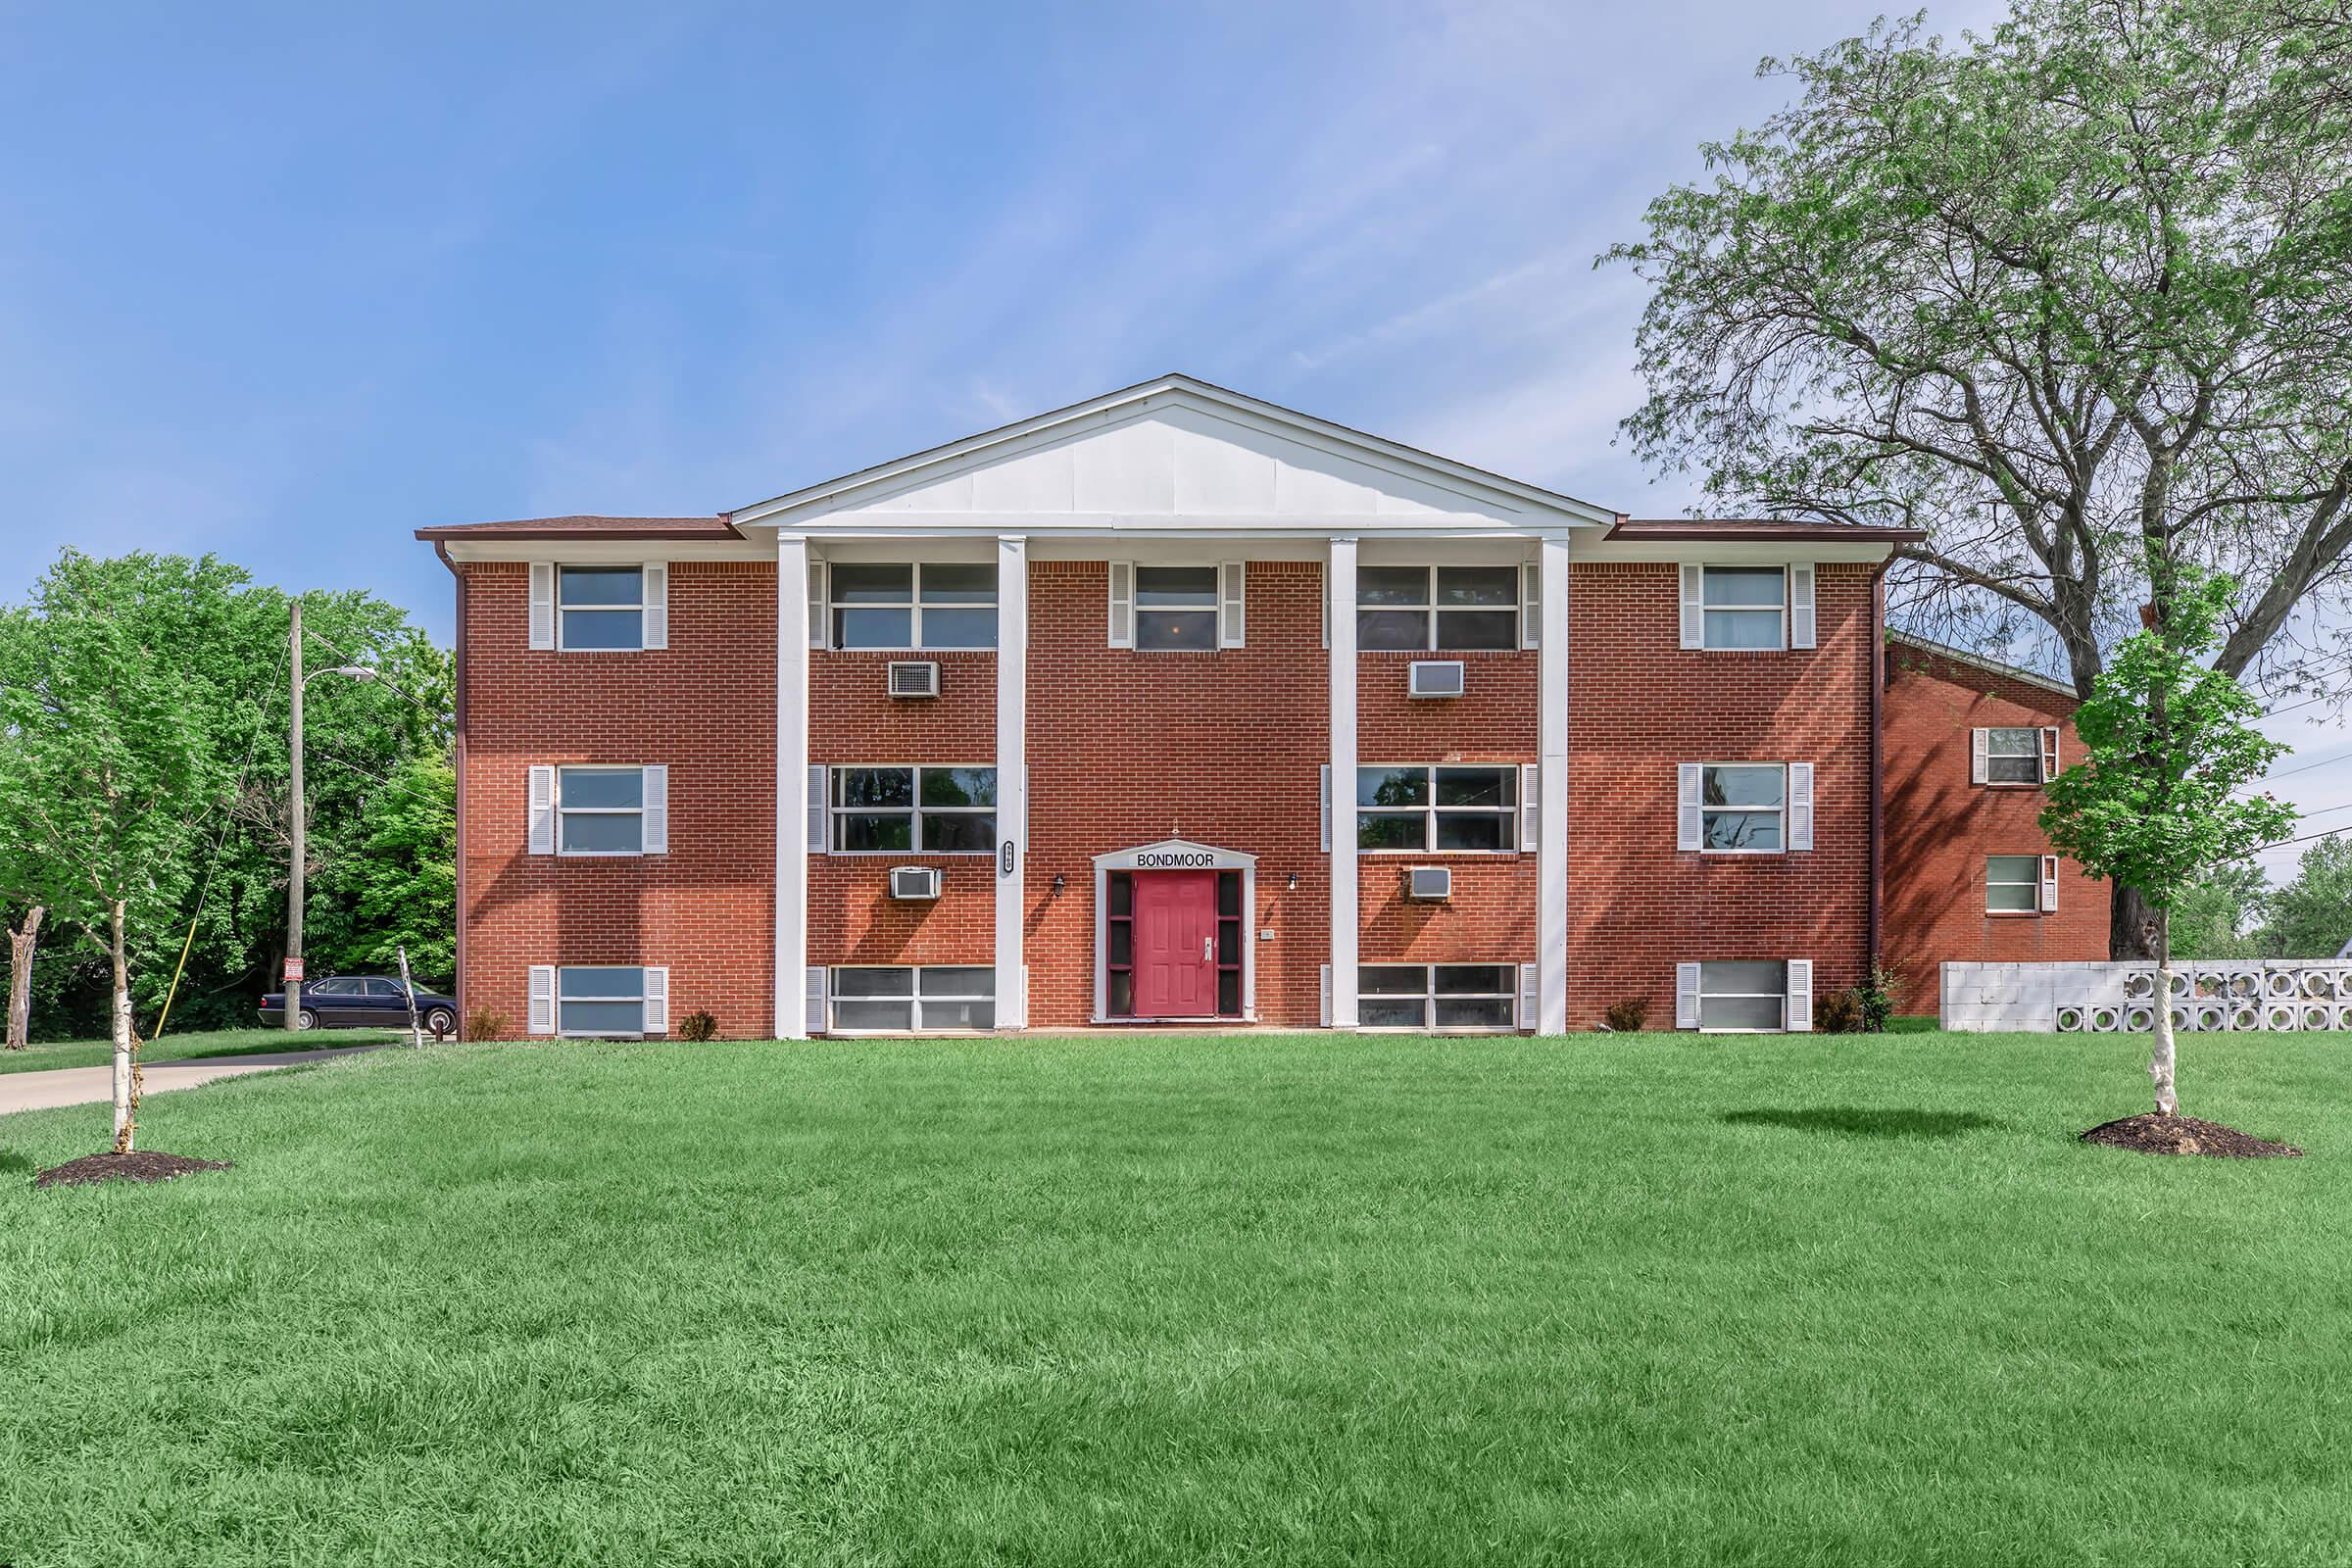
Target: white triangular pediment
1173,454
1174,855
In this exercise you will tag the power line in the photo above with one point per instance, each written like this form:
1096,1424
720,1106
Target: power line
380,678
390,784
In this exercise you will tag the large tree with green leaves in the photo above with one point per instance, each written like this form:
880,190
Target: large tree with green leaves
108,759
2311,917
2169,746
2075,297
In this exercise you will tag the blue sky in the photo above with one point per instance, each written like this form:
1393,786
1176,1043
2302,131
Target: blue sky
286,282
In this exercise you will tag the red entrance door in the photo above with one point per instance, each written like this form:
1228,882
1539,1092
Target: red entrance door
1175,944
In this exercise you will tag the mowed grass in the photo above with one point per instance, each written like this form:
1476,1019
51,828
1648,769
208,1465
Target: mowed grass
44,1054
1601,1299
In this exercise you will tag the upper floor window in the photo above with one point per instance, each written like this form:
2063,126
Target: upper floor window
1745,605
915,810
1453,808
1176,607
592,810
900,605
2021,884
1742,805
601,607
1413,608
2014,756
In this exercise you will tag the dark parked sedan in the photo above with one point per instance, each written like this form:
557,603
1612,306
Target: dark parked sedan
364,1002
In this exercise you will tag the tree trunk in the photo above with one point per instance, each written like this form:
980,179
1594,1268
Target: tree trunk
19,979
125,1125
2128,919
2159,1066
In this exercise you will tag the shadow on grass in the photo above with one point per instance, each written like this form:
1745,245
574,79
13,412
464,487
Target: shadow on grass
1856,1121
9,1160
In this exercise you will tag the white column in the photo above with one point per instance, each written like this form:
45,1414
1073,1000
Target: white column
1012,775
792,788
1339,584
1551,778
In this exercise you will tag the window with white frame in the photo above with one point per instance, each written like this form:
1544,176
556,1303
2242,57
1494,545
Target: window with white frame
600,608
1412,608
600,1001
1743,607
2012,756
1743,807
600,811
908,1000
1744,995
1440,996
1451,809
1176,607
906,604
2012,884
913,811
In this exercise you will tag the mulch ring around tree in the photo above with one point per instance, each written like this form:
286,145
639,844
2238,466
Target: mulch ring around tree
140,1165
2151,1133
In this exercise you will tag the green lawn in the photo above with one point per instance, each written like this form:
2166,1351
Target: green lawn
43,1056
1302,1299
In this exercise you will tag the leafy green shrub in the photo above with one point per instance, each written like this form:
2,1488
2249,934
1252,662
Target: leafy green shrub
698,1025
1877,996
1628,1017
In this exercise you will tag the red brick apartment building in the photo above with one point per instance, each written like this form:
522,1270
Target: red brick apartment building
1175,707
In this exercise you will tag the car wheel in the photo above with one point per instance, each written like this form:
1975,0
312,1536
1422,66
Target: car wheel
440,1023
306,1019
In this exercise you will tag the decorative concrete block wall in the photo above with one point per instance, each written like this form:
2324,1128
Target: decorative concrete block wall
2099,998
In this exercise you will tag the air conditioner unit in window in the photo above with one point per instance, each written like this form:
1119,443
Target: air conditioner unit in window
916,678
1435,678
1429,884
914,882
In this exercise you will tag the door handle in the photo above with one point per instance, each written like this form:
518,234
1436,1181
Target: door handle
1209,950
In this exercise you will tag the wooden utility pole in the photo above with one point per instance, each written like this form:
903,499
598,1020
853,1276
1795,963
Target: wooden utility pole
293,975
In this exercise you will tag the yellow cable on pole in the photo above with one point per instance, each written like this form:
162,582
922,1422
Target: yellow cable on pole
178,970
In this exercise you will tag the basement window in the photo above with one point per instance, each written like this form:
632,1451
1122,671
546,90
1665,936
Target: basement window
1441,996
909,1001
600,1001
1743,995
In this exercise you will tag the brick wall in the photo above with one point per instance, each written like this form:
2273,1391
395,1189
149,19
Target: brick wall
1639,703
706,708
1940,826
1128,747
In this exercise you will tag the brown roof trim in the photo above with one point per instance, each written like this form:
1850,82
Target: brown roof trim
586,527
1991,667
1672,528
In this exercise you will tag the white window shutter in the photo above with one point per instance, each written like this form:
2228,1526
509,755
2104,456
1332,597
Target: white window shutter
1800,805
1801,605
542,1020
543,811
820,617
1531,606
1122,603
543,604
1977,741
656,604
1531,806
1694,621
2050,753
1327,807
1690,824
817,1000
1800,995
657,810
1527,1006
656,1002
1232,605
817,810
2049,884
1686,995
1327,996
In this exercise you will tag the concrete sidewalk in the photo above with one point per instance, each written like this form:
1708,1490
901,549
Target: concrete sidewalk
84,1086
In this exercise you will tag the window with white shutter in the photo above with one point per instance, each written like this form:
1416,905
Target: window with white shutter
657,810
1528,1004
816,811
1800,995
656,1002
1122,603
816,1020
1695,624
542,825
1979,756
1800,606
1800,805
1232,605
2049,884
1531,806
543,604
1690,816
543,1000
1686,995
1531,609
820,616
2049,753
657,604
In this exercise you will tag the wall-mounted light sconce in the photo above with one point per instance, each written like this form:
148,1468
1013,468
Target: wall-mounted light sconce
1293,881
1059,882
